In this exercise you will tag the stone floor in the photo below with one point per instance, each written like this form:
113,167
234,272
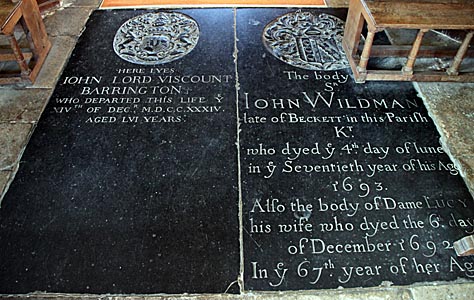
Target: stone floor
449,104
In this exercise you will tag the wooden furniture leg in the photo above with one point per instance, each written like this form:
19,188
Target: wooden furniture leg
454,69
418,15
25,13
20,59
408,68
364,57
353,28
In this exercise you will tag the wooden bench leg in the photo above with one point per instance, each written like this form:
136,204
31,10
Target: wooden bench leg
28,37
20,59
364,57
36,34
454,69
408,68
353,28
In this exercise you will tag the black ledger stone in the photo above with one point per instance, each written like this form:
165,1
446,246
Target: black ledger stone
132,195
343,184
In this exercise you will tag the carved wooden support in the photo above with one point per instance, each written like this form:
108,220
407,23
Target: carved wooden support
26,13
454,69
364,58
20,59
420,15
408,68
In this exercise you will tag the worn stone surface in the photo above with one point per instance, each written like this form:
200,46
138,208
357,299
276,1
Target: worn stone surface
459,134
346,294
67,21
452,108
466,164
337,3
459,291
4,179
81,3
342,294
22,106
62,47
12,141
446,292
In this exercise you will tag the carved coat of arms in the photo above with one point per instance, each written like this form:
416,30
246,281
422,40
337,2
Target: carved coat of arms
312,42
156,38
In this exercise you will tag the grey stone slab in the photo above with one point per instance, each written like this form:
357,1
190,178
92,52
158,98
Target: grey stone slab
451,292
350,294
459,291
459,133
62,47
67,21
342,294
444,97
452,109
337,3
4,179
22,106
466,164
13,138
81,3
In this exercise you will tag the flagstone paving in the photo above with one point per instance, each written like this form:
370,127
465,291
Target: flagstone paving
450,105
